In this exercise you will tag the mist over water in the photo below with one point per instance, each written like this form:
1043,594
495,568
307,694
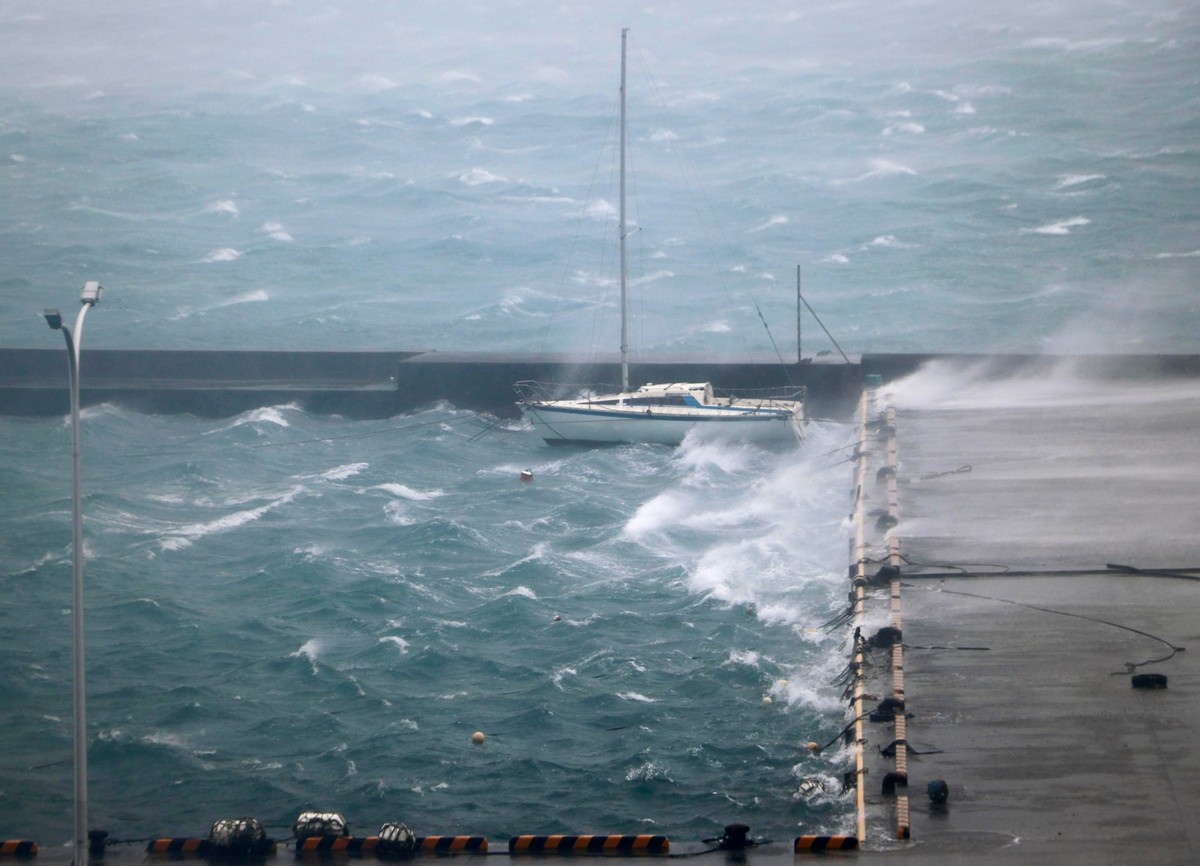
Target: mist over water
295,611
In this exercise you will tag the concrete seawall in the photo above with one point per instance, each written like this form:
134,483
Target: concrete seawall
33,382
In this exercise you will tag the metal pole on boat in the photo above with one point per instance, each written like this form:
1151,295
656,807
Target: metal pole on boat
621,231
92,292
799,305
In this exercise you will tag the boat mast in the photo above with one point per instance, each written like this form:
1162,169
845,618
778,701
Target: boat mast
621,231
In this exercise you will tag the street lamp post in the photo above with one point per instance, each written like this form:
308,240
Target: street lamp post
91,296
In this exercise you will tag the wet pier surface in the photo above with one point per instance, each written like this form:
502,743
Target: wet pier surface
1015,497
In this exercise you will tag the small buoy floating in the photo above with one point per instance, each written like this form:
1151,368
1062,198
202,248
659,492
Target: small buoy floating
526,474
478,737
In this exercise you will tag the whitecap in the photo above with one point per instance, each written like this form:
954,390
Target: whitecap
400,643
1070,180
472,121
184,536
275,231
778,220
656,516
223,254
1191,255
653,277
264,415
637,696
522,591
248,298
227,205
309,650
646,772
836,259
16,157
600,208
749,658
1062,227
908,128
478,176
883,168
405,492
339,473
664,135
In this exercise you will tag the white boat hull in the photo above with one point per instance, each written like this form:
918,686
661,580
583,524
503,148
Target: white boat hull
564,425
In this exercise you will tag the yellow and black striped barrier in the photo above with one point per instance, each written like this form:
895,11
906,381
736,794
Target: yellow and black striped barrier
328,844
826,843
178,846
452,844
18,848
641,844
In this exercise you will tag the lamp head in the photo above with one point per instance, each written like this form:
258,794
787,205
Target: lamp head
92,291
53,319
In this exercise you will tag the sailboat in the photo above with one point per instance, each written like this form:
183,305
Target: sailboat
653,413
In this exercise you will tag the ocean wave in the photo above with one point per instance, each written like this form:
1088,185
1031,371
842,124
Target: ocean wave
309,651
778,220
397,514
403,491
227,206
637,697
480,176
906,128
341,473
399,643
880,168
275,231
1070,180
223,254
184,536
1062,227
253,297
264,415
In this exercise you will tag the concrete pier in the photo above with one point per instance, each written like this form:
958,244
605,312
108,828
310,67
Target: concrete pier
1016,495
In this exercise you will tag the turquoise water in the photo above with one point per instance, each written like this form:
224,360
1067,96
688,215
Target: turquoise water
325,624
289,611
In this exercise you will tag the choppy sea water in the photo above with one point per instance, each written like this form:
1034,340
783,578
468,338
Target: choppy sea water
325,624
288,610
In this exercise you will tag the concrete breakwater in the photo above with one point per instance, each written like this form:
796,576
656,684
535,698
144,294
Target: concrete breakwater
33,382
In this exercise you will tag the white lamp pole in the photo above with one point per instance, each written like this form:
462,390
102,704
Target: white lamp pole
91,296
